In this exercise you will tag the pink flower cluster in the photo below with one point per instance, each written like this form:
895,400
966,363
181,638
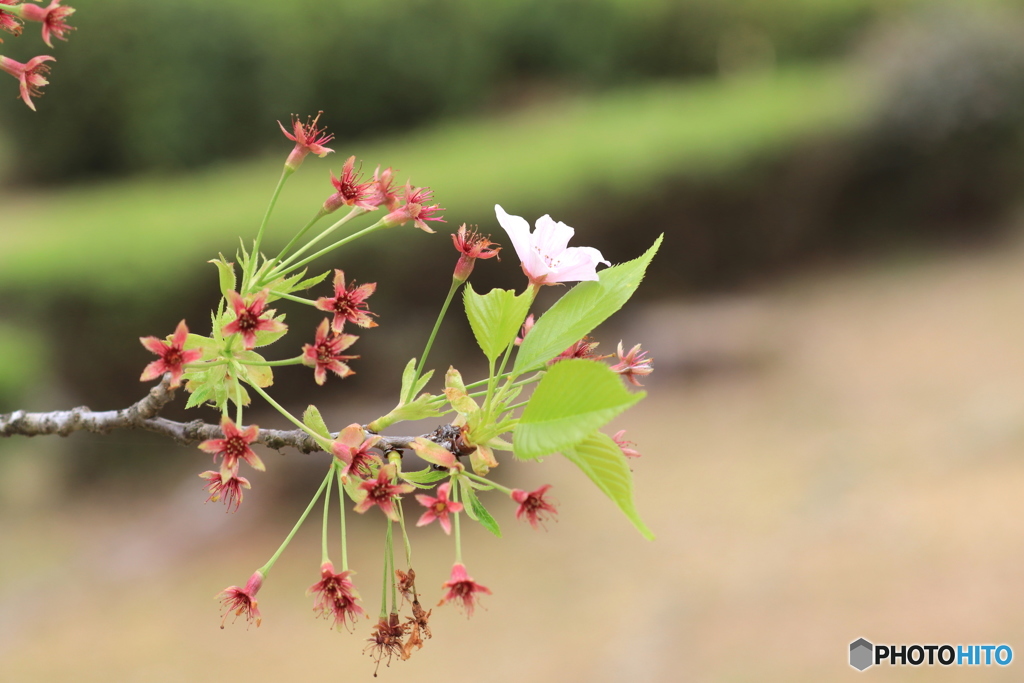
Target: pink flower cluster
53,18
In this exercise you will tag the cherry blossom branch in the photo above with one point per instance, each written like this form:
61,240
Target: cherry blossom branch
143,415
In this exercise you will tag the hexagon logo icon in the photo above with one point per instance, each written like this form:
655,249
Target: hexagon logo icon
861,654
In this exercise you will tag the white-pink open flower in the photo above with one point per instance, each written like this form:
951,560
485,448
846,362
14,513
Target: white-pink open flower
544,253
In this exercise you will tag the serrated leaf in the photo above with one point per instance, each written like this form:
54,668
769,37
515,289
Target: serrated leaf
476,510
209,347
583,308
311,282
260,375
226,274
455,392
265,338
312,419
574,398
602,460
409,387
425,405
495,318
425,478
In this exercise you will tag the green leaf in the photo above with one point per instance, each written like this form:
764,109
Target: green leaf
602,460
226,274
409,388
476,510
495,318
312,419
574,398
425,478
260,375
583,308
425,405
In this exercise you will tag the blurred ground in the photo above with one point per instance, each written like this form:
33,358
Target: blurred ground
836,456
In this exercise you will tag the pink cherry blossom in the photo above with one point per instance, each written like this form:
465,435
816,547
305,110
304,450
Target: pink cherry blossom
29,74
533,506
352,449
9,22
439,508
349,303
173,356
626,446
382,493
242,601
52,17
308,138
234,447
325,353
633,364
546,258
248,317
349,191
335,597
229,489
463,589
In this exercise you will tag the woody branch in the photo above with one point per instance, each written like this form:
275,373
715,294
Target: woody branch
144,415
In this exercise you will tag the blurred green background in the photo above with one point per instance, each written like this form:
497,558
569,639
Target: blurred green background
833,434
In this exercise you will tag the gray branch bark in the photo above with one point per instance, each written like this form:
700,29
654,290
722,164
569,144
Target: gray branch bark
144,415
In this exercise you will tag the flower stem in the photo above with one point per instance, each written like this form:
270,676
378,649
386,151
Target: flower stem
265,569
522,382
339,243
327,509
296,299
238,403
405,535
484,480
354,213
291,243
458,533
263,226
272,363
391,566
344,536
324,443
433,334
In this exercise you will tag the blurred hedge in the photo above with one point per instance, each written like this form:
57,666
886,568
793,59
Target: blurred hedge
178,83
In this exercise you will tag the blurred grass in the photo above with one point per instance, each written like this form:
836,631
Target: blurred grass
132,237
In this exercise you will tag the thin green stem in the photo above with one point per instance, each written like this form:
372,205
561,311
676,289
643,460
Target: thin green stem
458,533
433,334
265,569
344,531
405,535
326,250
327,509
354,213
518,405
520,383
324,443
291,243
297,360
263,226
296,299
391,566
238,403
484,480
384,580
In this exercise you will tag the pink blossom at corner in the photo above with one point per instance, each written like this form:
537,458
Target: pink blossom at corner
242,601
30,76
439,508
230,489
353,451
248,320
472,246
173,356
546,258
381,193
325,353
234,447
533,506
527,326
463,589
335,597
415,209
584,348
620,440
348,190
9,22
349,303
308,138
633,364
382,493
52,17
